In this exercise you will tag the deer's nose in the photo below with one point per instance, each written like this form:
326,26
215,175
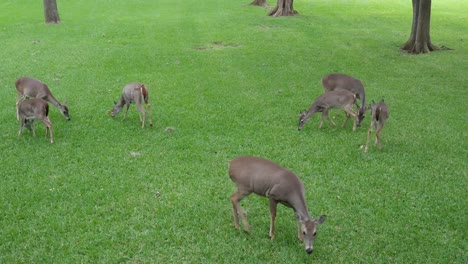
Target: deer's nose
309,251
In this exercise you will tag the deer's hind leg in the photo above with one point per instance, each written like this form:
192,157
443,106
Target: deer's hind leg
48,126
142,114
377,136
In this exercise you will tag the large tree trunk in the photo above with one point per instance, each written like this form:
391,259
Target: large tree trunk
420,40
259,3
283,8
51,12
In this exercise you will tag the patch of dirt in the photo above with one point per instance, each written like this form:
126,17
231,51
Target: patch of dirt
216,45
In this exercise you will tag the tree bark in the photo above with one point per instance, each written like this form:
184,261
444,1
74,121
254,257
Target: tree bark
283,8
51,12
259,3
420,40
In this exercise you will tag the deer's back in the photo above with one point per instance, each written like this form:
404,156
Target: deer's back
133,92
381,112
337,81
334,99
263,177
31,87
34,107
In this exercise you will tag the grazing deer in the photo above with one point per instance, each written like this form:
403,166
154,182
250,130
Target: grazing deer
279,185
32,88
332,99
133,93
380,113
32,109
337,81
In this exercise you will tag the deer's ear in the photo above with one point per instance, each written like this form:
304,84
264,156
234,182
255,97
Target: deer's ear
321,219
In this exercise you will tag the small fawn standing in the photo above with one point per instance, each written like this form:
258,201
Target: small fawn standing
336,81
380,113
134,93
32,109
332,99
27,87
279,185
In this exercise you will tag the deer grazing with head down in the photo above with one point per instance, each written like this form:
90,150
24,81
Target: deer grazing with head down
380,113
332,99
32,109
27,87
279,185
134,93
336,81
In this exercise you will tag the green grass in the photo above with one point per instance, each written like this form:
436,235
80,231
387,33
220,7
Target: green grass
231,81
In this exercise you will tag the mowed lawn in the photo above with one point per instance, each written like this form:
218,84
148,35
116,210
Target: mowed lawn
226,80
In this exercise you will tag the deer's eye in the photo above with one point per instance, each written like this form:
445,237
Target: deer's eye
303,232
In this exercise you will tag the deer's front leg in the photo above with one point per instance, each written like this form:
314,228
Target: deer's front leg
273,205
126,111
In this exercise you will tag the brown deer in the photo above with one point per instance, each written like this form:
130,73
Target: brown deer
32,109
337,81
133,93
380,113
279,185
332,99
31,88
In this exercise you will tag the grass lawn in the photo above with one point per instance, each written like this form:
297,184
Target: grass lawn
229,81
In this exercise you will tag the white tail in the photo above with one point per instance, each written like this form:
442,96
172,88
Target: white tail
27,87
336,81
380,113
279,185
134,93
333,99
32,109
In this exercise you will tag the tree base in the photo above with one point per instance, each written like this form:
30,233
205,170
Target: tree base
418,48
277,11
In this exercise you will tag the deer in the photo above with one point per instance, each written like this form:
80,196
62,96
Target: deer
336,81
31,88
380,113
329,100
280,185
32,109
137,93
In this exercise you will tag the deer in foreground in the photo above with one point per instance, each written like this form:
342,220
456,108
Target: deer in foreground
133,93
380,113
332,99
31,88
336,81
32,109
279,185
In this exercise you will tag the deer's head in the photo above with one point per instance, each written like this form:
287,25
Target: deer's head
302,120
116,110
64,110
309,232
361,115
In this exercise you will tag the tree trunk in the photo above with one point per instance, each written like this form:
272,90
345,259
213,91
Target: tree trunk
283,8
51,12
259,3
420,40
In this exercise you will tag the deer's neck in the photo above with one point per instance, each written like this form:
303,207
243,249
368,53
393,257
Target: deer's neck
300,208
51,99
